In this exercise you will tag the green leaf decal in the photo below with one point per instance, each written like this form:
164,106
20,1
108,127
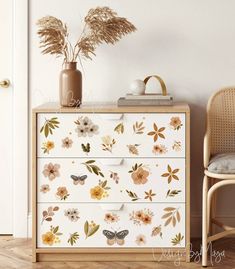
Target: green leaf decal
92,168
49,125
73,238
86,227
86,148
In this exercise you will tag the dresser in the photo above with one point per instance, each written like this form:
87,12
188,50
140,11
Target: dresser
111,183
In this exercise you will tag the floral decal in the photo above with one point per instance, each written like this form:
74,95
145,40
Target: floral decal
52,236
133,149
177,239
142,216
138,127
49,213
86,148
107,143
49,126
140,240
177,146
51,171
132,195
159,149
138,174
100,191
72,214
172,216
48,146
90,228
93,168
119,128
157,231
171,174
73,238
172,193
157,132
176,123
85,127
62,193
45,188
114,176
67,143
149,195
111,218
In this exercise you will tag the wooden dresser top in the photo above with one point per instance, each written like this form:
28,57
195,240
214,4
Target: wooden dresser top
109,108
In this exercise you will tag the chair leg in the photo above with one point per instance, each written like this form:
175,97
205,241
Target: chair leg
213,210
204,221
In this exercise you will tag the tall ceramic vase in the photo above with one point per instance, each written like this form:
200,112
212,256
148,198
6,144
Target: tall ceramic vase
70,85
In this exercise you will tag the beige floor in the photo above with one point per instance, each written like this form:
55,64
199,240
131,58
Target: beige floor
16,253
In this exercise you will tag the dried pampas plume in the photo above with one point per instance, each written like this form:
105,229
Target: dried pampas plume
101,25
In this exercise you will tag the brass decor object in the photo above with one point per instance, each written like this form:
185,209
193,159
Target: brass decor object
101,25
163,86
5,83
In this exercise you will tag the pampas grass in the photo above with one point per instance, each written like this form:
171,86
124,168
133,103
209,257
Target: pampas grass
101,25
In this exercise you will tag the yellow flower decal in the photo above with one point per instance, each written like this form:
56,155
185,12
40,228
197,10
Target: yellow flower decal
100,191
51,237
48,238
97,192
47,146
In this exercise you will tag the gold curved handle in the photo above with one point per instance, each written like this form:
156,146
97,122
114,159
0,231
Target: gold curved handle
163,86
5,83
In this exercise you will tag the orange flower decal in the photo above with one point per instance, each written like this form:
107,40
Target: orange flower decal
140,176
176,123
140,217
157,132
171,174
149,195
62,193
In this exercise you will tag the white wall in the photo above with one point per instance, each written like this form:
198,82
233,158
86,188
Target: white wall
189,43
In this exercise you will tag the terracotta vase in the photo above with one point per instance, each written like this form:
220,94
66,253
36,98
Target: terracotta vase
70,85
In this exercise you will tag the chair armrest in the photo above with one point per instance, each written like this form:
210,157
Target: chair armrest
206,151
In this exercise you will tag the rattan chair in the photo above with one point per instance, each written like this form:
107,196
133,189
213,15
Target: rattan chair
219,143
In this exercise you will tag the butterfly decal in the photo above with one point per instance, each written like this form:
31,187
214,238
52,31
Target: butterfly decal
115,237
79,179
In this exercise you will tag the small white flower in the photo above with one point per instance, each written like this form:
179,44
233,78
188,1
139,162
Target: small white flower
67,212
72,214
85,127
86,122
92,129
81,130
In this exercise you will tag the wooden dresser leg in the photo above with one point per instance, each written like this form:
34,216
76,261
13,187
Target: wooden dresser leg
34,257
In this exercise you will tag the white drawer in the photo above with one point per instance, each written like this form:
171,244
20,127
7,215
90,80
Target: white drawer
92,225
111,135
127,180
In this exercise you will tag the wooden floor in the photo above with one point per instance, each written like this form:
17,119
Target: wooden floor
16,253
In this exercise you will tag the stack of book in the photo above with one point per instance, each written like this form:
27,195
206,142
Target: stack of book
149,99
